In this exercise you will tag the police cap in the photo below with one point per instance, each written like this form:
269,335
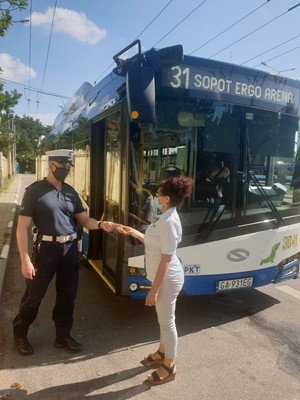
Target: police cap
62,156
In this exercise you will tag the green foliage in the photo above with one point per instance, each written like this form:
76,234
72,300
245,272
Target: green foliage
6,9
7,102
5,134
28,134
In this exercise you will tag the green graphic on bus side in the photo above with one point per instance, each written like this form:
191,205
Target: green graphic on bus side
271,257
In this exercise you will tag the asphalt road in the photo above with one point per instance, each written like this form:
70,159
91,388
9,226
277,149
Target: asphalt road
239,346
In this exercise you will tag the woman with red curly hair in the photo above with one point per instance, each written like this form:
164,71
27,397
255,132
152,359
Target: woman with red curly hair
165,271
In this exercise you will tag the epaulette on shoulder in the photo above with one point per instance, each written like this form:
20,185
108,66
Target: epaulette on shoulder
30,186
69,186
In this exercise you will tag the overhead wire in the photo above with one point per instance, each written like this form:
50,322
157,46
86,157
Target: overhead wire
32,89
150,23
47,57
279,55
28,88
29,56
180,22
268,51
255,30
229,27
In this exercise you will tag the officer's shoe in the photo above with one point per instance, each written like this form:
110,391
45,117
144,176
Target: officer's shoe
69,344
23,346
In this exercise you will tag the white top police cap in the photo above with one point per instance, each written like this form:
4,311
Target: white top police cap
62,156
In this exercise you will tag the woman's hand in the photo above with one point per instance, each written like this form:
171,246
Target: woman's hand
151,298
124,230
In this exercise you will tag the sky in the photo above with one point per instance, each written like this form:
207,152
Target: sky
68,42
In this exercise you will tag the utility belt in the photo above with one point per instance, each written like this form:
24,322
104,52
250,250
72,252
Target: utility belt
58,239
54,239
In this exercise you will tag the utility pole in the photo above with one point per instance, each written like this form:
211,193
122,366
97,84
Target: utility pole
12,148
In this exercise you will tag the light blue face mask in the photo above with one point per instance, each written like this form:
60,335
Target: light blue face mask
156,203
159,206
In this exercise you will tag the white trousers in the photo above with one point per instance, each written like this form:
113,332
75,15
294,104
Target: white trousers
165,309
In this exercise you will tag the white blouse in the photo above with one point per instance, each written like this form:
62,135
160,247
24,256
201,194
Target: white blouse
163,237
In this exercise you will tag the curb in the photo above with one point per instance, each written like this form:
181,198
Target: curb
6,248
6,236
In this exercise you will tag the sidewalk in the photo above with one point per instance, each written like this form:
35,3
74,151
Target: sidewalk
10,199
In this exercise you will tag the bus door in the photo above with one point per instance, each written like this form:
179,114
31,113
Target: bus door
96,201
106,192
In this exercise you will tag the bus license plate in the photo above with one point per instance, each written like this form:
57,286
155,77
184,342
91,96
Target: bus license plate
233,284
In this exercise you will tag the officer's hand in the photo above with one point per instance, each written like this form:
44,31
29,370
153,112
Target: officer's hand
107,226
28,270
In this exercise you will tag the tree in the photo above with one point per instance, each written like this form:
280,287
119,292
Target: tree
7,102
28,134
6,9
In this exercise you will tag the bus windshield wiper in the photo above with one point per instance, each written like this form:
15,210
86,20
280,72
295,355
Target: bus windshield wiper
261,190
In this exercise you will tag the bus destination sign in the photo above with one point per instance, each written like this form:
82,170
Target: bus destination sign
251,84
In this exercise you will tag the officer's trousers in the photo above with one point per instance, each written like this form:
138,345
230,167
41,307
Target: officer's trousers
51,259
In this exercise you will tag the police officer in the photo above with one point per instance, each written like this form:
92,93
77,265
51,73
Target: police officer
54,207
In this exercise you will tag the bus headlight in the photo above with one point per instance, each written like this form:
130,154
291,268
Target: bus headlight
133,287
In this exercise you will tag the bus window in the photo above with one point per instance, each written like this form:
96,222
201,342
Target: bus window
271,152
177,146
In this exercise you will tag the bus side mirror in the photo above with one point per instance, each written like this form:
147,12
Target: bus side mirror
141,94
170,56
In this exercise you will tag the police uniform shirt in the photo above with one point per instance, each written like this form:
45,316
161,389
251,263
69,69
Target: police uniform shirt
163,237
52,211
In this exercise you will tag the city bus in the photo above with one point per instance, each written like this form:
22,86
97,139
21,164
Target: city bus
161,113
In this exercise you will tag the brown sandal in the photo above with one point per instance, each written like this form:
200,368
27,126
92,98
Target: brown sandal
155,379
149,360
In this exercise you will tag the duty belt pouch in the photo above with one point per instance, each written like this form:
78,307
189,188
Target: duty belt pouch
34,231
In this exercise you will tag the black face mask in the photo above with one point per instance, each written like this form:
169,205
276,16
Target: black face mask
60,174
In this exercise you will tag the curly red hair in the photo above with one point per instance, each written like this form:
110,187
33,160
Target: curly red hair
177,188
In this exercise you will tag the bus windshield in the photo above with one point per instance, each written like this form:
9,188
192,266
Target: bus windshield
202,139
